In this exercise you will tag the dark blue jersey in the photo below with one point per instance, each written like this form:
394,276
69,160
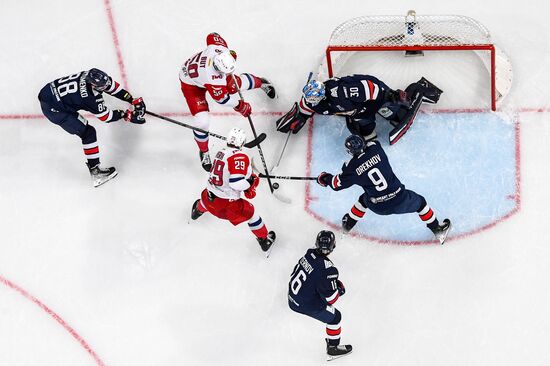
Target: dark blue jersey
313,283
72,93
372,171
353,95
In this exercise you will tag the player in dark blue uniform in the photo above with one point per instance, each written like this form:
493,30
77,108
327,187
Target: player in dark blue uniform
61,100
384,193
314,287
360,98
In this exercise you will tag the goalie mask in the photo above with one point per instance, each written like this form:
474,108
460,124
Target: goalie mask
314,92
224,62
236,138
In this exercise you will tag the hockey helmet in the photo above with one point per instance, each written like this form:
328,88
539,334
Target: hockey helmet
224,62
355,144
236,138
314,92
98,79
325,242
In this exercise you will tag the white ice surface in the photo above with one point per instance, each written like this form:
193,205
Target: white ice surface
142,286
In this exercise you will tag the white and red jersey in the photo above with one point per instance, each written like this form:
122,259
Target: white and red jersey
230,170
199,71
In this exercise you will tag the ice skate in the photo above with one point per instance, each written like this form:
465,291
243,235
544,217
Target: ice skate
267,243
205,160
268,88
442,231
101,176
348,223
195,213
334,352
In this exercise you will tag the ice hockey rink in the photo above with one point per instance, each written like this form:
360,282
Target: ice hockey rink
117,275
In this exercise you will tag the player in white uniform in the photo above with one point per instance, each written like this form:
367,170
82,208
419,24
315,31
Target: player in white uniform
211,71
231,176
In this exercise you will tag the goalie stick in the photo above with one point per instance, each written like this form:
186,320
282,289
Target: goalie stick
253,143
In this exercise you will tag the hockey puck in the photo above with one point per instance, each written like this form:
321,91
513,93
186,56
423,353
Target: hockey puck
275,185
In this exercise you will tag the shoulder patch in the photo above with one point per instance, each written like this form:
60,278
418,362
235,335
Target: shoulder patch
328,263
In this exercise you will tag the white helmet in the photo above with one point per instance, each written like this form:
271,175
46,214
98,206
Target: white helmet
236,138
224,63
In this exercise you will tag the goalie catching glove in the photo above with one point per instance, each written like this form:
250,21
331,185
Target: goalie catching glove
137,115
293,121
254,181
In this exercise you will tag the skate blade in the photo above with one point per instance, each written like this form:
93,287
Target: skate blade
99,182
444,236
332,358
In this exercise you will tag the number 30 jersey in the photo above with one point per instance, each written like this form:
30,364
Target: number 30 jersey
313,283
230,171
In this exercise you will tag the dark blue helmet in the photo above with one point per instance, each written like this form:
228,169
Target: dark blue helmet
326,242
98,79
355,144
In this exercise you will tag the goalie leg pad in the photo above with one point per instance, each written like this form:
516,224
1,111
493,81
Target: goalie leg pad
430,92
407,121
293,121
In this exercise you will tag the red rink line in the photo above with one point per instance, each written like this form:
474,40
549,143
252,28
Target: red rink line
516,197
114,35
167,114
56,317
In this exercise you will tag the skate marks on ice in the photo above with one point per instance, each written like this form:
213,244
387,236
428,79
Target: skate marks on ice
466,165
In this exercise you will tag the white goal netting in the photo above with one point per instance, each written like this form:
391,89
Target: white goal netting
443,40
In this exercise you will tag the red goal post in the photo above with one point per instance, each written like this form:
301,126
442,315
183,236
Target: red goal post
415,34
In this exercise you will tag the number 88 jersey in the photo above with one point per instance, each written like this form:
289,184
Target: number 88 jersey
230,171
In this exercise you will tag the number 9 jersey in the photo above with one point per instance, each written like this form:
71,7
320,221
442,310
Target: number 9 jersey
229,174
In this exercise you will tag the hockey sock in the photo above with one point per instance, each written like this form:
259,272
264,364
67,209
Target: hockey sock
257,226
357,211
202,141
202,120
90,146
334,330
249,81
428,217
200,207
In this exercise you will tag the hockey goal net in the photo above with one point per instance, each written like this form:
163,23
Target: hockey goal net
420,35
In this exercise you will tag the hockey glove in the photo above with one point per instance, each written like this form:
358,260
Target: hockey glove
324,179
341,288
231,85
118,114
243,108
138,114
254,181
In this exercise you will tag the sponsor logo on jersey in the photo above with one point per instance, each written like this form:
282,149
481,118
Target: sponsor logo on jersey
214,77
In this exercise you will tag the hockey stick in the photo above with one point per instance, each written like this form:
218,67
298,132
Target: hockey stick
282,152
257,140
255,134
286,177
288,133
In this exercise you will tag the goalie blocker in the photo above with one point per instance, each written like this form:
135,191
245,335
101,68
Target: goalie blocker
359,98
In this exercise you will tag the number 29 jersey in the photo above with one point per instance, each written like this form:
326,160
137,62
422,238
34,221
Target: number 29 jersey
228,176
